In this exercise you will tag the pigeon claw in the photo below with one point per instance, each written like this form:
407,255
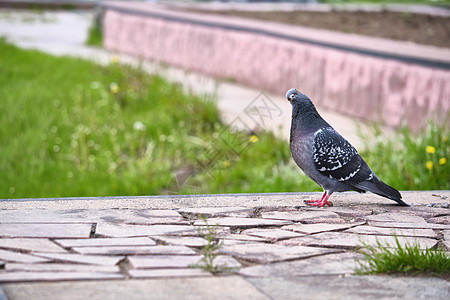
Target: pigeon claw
320,202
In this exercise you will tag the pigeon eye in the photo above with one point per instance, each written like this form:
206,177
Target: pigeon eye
291,96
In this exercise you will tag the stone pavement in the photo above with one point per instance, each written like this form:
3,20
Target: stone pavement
274,247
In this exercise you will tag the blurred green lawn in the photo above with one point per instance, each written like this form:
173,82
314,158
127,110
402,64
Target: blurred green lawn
69,127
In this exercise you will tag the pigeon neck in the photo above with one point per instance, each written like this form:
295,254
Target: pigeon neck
305,119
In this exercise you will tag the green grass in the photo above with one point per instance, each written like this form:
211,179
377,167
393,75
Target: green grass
398,259
411,161
95,34
69,127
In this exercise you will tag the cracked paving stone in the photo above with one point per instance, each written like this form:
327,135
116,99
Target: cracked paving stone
272,234
30,244
390,231
55,267
83,259
349,241
330,264
7,256
190,241
409,225
136,241
123,216
134,250
267,253
304,216
317,228
214,212
395,217
37,230
55,276
155,273
241,222
113,230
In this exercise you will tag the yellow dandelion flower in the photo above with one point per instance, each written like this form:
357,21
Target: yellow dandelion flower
226,163
442,161
114,88
429,165
114,59
254,138
430,149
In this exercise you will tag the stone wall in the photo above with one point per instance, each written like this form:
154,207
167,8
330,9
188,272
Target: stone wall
371,87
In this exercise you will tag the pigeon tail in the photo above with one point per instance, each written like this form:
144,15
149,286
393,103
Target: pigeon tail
380,188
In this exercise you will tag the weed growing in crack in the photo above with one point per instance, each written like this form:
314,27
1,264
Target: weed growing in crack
210,250
407,259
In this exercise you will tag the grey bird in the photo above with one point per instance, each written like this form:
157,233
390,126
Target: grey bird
328,158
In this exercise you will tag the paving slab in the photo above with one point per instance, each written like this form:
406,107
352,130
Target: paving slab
165,273
58,267
163,261
346,212
83,259
36,230
230,287
214,212
134,250
304,216
272,234
417,225
190,241
178,261
12,256
319,227
136,241
123,216
446,234
423,211
29,244
396,217
331,264
344,240
241,237
268,253
241,222
55,276
353,287
440,220
117,230
391,231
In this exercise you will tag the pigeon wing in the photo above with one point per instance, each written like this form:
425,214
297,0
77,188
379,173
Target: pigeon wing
337,159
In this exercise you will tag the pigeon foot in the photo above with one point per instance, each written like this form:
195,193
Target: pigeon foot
320,202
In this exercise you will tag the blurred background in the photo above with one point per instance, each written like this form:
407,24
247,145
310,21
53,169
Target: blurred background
109,98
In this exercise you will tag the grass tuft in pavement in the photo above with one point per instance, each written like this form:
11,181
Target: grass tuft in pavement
407,259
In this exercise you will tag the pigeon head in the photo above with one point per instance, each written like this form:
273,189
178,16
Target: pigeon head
297,98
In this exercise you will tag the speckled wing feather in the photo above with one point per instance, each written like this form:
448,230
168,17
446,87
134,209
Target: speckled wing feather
336,158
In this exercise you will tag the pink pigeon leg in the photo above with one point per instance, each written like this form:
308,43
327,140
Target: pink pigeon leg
321,202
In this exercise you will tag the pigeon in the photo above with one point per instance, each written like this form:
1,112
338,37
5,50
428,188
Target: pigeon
328,158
